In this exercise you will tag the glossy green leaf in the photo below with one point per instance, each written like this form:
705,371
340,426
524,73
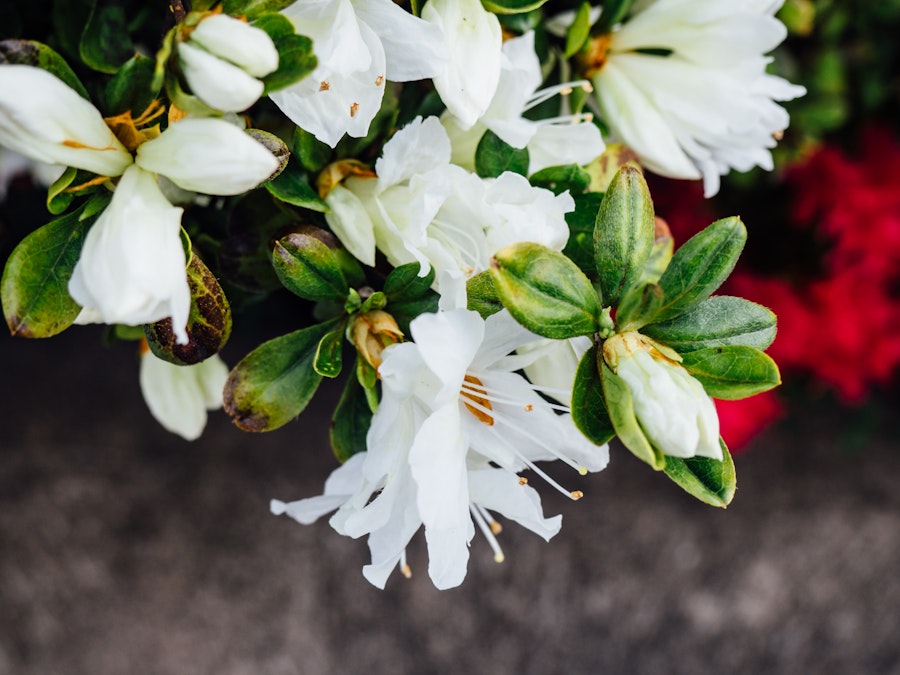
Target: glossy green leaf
481,296
493,157
623,234
275,382
580,246
558,179
131,88
579,31
208,326
308,267
404,283
545,291
700,266
35,282
58,198
328,361
105,43
732,372
292,186
709,480
312,153
350,422
717,321
33,53
588,403
620,406
512,6
638,307
296,59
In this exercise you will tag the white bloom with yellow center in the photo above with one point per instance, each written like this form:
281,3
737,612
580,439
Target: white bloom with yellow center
684,84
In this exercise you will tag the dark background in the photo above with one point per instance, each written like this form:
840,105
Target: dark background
128,550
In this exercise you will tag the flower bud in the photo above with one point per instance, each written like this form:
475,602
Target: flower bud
222,59
372,332
44,119
675,413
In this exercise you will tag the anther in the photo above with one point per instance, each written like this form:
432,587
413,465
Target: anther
576,494
523,480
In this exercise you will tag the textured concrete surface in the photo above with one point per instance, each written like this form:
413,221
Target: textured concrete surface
127,550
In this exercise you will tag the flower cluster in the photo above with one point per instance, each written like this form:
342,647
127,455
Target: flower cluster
434,182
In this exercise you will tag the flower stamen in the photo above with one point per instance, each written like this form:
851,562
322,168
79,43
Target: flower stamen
488,533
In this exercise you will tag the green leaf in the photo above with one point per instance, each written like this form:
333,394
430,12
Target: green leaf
58,199
660,257
493,157
208,326
701,265
588,403
638,307
309,267
292,187
105,43
328,361
709,480
558,179
623,234
481,296
579,31
620,406
613,12
545,291
350,422
580,246
295,52
512,6
404,283
732,372
33,53
717,321
34,287
312,153
275,382
254,8
132,87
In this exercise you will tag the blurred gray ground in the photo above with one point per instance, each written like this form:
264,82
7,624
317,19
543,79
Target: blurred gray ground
127,550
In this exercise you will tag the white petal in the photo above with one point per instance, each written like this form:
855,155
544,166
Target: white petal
448,342
45,120
500,491
419,147
351,224
555,144
474,39
175,396
132,267
248,47
414,49
208,155
218,83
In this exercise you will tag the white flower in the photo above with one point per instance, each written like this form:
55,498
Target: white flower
222,60
709,106
455,425
179,396
359,44
566,139
132,266
474,39
43,119
423,209
675,412
554,365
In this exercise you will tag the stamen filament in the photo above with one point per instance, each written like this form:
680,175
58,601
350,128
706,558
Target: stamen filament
563,89
486,531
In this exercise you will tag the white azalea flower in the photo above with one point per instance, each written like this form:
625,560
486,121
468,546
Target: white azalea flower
469,78
709,106
179,396
675,412
566,139
423,209
132,267
455,425
359,44
43,119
